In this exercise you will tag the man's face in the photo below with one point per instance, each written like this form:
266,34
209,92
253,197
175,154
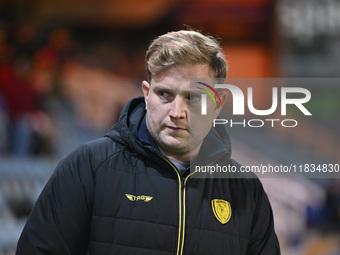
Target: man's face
173,115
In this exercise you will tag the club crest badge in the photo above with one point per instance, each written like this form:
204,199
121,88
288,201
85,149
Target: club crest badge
221,209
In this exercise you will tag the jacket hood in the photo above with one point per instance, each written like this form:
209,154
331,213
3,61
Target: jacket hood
126,132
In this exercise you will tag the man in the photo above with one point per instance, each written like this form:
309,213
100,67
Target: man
131,192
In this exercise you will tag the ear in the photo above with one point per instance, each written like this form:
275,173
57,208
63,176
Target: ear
146,90
223,95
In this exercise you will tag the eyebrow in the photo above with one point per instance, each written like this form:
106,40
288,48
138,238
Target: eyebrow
167,89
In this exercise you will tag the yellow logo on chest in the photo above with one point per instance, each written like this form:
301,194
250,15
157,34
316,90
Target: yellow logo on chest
221,209
139,198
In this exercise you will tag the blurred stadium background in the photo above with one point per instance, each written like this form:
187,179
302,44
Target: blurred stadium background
68,67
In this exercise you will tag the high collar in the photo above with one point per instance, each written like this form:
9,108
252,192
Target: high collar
211,146
144,134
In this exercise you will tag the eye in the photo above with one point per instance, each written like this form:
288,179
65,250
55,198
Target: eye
163,95
194,98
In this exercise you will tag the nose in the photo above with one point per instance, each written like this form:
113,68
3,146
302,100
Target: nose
178,108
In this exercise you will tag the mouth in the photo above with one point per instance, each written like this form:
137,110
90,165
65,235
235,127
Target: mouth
175,129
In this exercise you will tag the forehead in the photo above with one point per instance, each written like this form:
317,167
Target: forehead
178,77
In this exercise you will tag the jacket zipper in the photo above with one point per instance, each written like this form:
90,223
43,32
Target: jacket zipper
180,226
184,181
182,194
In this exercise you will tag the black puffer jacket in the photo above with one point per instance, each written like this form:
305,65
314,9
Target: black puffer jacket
118,195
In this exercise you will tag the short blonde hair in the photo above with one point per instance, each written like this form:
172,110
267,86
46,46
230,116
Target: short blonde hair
185,47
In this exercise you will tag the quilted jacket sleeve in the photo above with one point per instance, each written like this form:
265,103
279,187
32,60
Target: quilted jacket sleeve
60,220
263,239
